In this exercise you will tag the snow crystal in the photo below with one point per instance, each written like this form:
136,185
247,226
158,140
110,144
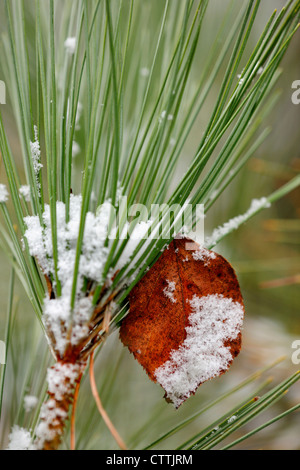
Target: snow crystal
30,402
36,157
183,232
202,356
169,290
162,116
36,153
24,192
3,193
231,419
50,416
70,45
204,255
93,250
213,194
57,312
20,439
34,236
62,378
83,312
233,224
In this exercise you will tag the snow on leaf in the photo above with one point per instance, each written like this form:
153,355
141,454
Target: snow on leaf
183,343
169,290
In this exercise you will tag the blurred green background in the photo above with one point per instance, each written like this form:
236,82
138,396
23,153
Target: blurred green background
265,253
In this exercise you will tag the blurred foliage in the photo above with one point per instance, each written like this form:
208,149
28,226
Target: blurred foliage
267,248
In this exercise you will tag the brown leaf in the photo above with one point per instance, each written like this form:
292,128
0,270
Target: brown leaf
184,324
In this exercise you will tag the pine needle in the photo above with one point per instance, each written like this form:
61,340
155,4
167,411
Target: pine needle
101,409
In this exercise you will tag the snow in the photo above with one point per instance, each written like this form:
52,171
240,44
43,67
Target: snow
169,290
20,439
3,193
144,72
231,419
204,255
57,311
36,157
50,416
34,235
70,45
233,224
202,356
24,191
30,402
162,116
183,232
93,251
61,378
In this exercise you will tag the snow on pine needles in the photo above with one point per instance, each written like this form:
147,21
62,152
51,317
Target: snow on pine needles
94,251
57,311
36,158
3,194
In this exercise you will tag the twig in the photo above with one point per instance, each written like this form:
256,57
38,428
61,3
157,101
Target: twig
286,281
101,410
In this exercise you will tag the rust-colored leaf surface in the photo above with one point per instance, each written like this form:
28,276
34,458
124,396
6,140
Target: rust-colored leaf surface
185,318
